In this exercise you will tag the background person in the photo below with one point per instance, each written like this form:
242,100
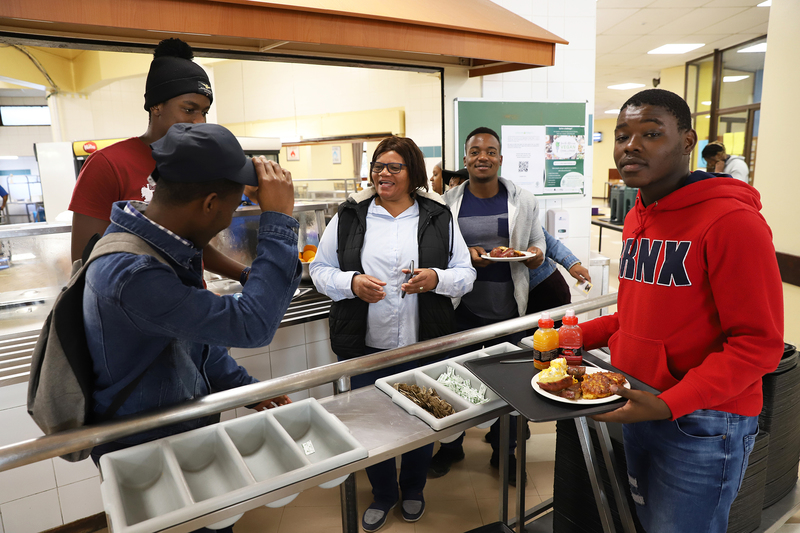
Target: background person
436,179
694,321
177,91
454,178
361,264
491,212
719,162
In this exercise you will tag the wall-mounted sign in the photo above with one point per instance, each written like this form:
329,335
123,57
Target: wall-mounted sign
336,155
292,153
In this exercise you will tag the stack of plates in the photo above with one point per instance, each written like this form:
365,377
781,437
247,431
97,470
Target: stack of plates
780,417
745,513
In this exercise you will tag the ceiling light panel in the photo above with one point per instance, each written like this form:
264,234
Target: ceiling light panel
626,86
675,48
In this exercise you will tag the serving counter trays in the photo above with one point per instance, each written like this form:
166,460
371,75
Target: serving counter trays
427,376
159,484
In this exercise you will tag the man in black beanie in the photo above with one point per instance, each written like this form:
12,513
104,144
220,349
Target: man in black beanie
177,91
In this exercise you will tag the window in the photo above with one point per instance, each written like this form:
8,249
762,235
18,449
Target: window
19,115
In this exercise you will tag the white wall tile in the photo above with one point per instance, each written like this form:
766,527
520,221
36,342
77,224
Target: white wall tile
539,91
26,481
492,90
81,499
556,8
238,353
579,66
13,395
288,361
32,514
580,32
516,90
320,330
257,366
67,472
287,337
319,354
17,425
555,90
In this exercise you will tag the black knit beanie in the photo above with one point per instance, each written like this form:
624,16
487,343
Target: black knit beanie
173,73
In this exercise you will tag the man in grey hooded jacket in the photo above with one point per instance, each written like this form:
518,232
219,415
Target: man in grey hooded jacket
492,212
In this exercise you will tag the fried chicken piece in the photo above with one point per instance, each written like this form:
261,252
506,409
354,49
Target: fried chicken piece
598,385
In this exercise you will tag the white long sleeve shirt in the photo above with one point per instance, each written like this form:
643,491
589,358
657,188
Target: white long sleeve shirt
390,244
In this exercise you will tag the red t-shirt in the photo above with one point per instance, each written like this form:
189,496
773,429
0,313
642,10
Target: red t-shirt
117,172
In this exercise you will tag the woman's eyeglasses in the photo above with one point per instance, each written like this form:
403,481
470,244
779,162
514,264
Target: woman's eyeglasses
394,168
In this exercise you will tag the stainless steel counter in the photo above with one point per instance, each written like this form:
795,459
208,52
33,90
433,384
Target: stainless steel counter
382,427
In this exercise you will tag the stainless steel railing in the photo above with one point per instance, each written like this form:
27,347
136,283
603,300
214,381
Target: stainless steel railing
46,447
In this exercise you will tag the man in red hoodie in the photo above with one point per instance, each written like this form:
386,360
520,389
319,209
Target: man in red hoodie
700,318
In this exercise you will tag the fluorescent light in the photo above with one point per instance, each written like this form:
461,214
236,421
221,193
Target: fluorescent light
9,157
626,86
760,47
708,116
613,111
766,3
730,79
675,48
707,102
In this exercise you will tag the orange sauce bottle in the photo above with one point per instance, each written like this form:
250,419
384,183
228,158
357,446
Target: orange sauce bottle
545,343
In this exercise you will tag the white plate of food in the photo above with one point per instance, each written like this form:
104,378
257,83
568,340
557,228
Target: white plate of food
589,370
523,257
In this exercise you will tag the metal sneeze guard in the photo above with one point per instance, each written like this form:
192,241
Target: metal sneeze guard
49,446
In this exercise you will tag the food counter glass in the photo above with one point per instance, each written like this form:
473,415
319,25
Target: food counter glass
35,264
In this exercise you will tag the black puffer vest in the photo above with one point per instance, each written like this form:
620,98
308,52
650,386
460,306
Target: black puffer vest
348,318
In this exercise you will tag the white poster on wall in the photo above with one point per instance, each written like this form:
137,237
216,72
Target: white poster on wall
545,160
523,156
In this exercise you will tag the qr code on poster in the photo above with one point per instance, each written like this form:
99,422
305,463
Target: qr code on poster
523,166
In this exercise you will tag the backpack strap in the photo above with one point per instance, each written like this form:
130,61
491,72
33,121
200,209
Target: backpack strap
113,243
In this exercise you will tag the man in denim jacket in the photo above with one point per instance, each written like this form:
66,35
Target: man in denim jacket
144,318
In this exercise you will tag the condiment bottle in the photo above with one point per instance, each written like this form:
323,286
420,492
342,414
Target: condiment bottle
545,342
570,339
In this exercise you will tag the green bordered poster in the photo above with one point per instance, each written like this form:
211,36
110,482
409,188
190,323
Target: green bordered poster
543,143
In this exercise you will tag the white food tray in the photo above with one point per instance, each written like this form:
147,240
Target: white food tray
163,483
427,375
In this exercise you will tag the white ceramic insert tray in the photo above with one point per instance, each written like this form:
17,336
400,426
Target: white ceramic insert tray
427,376
163,483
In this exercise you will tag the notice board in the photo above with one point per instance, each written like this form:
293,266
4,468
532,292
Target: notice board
543,143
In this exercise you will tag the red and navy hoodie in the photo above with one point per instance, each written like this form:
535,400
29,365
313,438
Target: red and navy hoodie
700,307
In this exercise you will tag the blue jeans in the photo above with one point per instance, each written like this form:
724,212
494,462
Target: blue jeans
684,474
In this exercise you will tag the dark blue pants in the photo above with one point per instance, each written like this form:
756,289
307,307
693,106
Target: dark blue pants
413,465
466,319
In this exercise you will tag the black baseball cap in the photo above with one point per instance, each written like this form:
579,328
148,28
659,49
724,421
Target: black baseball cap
197,153
462,174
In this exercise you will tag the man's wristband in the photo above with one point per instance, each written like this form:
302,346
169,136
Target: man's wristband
244,275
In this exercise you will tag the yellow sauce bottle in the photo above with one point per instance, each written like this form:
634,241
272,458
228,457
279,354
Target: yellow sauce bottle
545,342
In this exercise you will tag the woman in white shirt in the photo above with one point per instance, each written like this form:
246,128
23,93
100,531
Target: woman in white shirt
362,264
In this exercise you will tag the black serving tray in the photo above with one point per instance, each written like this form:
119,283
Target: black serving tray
512,382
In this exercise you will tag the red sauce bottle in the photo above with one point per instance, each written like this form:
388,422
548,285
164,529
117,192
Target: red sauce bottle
570,339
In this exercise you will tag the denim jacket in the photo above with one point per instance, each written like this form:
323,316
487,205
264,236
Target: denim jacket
142,316
556,253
